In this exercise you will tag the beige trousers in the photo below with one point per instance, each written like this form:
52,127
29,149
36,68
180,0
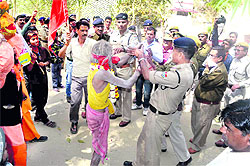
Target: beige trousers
202,116
124,103
177,138
149,141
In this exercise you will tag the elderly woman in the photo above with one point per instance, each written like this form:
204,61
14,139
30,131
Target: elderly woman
99,86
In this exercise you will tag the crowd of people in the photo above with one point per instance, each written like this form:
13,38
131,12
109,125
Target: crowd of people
104,64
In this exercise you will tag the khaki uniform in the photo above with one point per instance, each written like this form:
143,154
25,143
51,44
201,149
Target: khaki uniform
124,103
175,133
172,87
239,73
206,103
97,37
43,36
201,55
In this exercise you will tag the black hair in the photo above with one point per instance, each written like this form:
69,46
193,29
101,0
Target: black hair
47,21
188,52
230,42
221,52
85,19
108,18
27,19
82,22
152,29
238,114
20,16
235,33
27,36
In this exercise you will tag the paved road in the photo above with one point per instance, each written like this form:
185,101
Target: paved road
63,148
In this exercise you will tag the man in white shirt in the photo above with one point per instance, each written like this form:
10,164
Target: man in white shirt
81,54
239,75
236,134
233,36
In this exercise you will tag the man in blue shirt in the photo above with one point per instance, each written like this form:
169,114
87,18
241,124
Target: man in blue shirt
153,48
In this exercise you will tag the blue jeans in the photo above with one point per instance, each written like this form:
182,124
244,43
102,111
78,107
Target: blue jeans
69,67
56,75
147,91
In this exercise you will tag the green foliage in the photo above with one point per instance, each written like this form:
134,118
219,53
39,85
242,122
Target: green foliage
155,10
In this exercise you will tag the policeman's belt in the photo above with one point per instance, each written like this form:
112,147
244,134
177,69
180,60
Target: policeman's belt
124,66
207,102
154,110
69,59
45,41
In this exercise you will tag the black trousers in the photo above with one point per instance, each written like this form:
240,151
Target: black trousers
40,97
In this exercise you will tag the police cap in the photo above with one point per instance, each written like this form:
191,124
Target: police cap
132,27
41,18
98,21
184,42
203,33
147,23
122,16
174,27
242,44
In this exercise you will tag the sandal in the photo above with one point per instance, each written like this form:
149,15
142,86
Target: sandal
50,124
74,128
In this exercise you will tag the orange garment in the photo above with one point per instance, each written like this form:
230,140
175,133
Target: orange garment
29,130
16,146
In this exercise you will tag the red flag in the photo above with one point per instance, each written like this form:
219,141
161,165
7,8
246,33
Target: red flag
58,16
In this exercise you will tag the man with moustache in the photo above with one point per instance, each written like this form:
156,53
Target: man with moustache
81,54
98,26
122,41
236,134
20,20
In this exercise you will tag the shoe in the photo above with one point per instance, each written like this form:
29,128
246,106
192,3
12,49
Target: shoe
123,123
215,131
41,139
220,143
68,98
83,115
166,135
192,151
163,150
136,107
113,116
191,140
74,128
50,124
128,163
185,162
145,112
56,90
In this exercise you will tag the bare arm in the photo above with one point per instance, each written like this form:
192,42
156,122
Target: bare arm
108,77
64,48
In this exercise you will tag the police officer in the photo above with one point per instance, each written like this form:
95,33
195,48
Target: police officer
98,26
173,85
122,41
203,50
44,33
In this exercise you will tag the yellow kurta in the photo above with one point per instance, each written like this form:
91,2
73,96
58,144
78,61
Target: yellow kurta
98,100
